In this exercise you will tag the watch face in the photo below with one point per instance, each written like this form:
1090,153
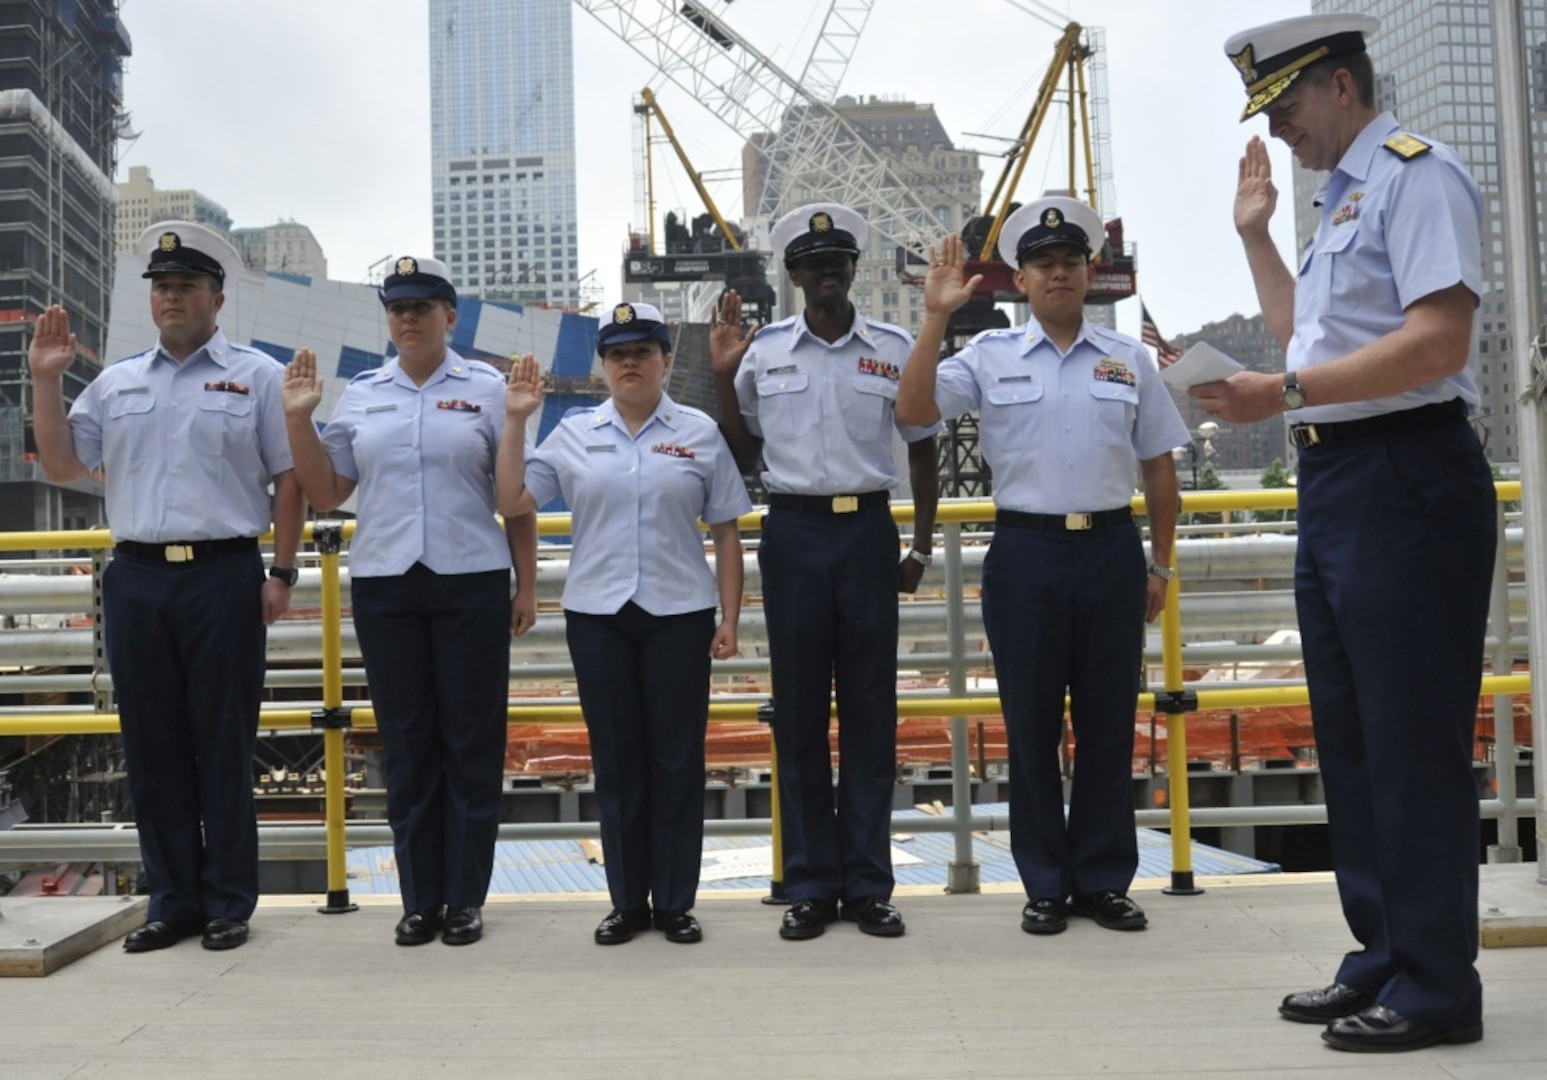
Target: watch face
1294,397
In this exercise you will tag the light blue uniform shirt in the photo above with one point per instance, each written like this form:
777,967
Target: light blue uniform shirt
189,449
1392,231
423,457
636,502
826,413
1063,433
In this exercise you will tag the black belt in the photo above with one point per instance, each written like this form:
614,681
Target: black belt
829,504
185,550
1101,519
1303,435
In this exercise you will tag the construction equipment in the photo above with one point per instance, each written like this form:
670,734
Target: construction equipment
711,250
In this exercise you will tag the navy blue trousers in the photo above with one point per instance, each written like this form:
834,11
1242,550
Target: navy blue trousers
185,645
830,599
1066,610
1392,582
437,654
644,690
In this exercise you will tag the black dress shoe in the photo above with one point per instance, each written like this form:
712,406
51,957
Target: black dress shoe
158,935
807,919
679,926
1324,1006
1045,915
1379,1030
1112,910
225,933
464,925
418,927
875,916
620,926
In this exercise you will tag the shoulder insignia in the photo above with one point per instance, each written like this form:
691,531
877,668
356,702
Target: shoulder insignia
1407,147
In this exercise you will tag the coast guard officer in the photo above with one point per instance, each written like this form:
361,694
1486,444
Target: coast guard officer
429,571
816,391
639,472
1070,414
1397,530
190,436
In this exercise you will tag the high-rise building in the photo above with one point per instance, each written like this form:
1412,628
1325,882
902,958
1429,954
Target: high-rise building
284,248
61,114
141,204
502,144
1434,69
1236,446
916,146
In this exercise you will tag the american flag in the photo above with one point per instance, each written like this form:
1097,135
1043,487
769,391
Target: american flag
1166,354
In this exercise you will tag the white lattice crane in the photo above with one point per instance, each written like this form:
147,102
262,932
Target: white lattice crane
808,142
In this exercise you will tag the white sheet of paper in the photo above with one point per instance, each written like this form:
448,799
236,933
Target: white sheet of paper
1200,364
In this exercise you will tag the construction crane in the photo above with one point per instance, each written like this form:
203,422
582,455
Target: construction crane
798,132
698,253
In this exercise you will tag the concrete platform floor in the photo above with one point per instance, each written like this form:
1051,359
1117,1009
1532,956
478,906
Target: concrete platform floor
964,994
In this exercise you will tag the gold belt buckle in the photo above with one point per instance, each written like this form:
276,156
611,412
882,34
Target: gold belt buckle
178,553
845,504
1077,522
1308,435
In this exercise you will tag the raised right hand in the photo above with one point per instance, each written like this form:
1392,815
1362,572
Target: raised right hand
524,391
1255,196
727,342
301,392
946,287
53,346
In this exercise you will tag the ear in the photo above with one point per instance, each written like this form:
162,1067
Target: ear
1020,282
451,317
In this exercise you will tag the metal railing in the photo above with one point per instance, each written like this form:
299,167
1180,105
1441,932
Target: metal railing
1175,699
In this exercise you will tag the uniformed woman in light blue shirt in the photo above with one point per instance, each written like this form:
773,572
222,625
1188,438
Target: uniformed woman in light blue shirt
429,571
639,472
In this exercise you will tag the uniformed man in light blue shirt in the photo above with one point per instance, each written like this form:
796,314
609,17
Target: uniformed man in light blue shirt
1397,517
1070,416
190,436
815,392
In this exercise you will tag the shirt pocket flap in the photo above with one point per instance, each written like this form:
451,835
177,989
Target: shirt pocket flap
129,404
230,404
871,384
1013,393
1114,391
1339,241
792,382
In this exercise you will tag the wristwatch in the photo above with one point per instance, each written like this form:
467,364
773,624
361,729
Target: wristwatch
288,574
1162,572
922,558
1292,396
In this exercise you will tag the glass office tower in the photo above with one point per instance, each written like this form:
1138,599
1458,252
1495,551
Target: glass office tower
503,147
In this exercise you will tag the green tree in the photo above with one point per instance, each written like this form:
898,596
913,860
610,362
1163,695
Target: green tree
1275,476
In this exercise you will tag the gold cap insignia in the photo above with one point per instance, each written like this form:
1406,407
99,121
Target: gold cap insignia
406,266
821,222
1051,218
1245,64
170,241
623,313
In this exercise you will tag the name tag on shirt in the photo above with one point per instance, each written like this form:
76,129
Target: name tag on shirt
1014,378
787,369
380,408
224,387
605,448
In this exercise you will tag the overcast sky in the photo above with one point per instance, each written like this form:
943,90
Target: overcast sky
318,111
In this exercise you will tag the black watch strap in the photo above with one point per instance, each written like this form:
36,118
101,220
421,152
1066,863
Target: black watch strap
288,574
